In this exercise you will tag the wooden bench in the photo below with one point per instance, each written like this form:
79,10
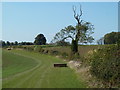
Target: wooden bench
60,65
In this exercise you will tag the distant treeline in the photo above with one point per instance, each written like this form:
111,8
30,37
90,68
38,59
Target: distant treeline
7,43
109,38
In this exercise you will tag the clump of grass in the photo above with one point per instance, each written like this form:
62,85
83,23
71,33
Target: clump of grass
38,49
64,55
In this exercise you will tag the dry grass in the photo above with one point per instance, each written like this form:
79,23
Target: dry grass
60,49
83,73
83,50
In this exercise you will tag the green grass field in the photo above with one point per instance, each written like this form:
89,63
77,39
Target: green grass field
23,69
15,63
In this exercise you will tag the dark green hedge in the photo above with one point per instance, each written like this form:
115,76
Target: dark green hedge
105,64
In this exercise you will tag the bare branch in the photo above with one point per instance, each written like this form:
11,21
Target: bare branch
80,11
74,10
68,37
77,16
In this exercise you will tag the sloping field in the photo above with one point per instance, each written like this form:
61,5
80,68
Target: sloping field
39,74
14,63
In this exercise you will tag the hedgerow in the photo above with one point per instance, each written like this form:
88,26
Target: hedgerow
105,65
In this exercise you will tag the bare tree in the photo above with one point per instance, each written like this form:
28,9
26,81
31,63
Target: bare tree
81,32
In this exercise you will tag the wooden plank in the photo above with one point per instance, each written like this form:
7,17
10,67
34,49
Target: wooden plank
60,65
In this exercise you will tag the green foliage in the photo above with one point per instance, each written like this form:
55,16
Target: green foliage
64,55
40,40
100,41
2,43
8,43
54,52
25,43
74,56
112,38
76,33
16,43
38,48
105,64
29,48
70,31
19,46
62,43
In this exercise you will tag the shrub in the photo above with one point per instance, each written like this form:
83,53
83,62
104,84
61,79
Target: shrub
53,52
29,48
38,49
74,56
105,64
45,51
19,46
64,55
62,43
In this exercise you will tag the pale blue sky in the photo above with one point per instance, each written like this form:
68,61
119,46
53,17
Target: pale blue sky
22,21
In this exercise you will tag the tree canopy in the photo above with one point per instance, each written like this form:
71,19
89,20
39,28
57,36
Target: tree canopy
112,38
100,41
71,32
40,40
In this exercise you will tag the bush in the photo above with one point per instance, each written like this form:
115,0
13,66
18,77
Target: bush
64,55
105,64
19,46
38,49
53,52
62,43
45,51
29,48
74,56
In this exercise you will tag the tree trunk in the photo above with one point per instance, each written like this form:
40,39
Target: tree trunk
74,46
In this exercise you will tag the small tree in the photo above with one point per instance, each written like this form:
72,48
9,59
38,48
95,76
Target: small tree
8,43
112,38
100,41
3,43
16,43
79,33
40,40
11,43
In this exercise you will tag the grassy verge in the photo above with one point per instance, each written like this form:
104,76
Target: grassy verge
43,76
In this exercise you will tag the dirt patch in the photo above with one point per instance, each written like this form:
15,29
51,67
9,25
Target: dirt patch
83,72
74,64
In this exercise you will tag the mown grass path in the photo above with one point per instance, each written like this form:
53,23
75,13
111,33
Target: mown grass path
43,75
